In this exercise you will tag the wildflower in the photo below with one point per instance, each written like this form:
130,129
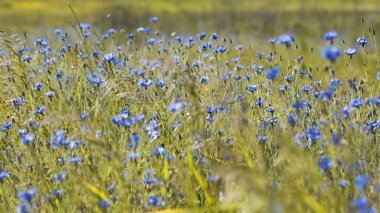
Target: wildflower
251,88
3,175
324,163
313,134
361,181
359,203
356,102
151,41
329,36
285,39
201,35
350,52
39,110
153,20
27,195
378,76
271,74
109,57
104,204
361,41
27,139
175,107
213,36
271,40
330,53
76,160
159,151
60,176
291,118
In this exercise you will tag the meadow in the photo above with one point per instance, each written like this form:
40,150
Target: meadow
152,114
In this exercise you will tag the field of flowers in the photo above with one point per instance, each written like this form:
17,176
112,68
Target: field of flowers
137,120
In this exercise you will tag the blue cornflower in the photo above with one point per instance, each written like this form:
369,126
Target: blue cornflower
175,107
151,41
27,139
324,163
350,52
272,73
251,88
153,20
27,195
213,36
60,176
361,41
27,59
291,118
313,134
359,203
83,116
361,181
3,175
39,110
109,57
104,204
271,40
356,102
285,39
159,151
259,102
201,35
37,87
330,53
76,160
329,36
57,193
378,76
239,47
85,26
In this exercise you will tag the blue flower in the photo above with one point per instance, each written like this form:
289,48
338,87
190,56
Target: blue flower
3,175
271,40
57,193
361,181
104,203
110,57
151,41
350,51
291,118
361,41
272,73
39,110
251,88
313,134
378,76
213,36
27,195
5,126
76,160
175,107
356,102
324,163
153,20
330,53
201,35
359,203
159,151
328,36
285,39
27,139
85,26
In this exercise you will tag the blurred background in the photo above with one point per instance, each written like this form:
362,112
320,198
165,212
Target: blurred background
266,17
